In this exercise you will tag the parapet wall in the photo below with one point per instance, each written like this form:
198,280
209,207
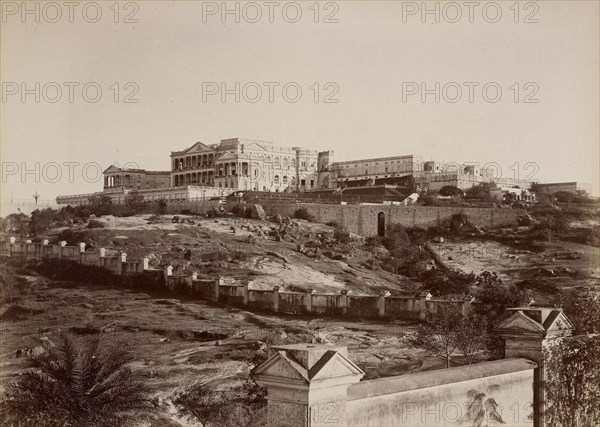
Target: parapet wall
499,392
364,219
318,385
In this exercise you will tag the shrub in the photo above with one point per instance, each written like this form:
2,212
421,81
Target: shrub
162,206
372,242
302,213
396,238
480,191
458,221
95,224
134,202
342,236
428,201
450,190
101,204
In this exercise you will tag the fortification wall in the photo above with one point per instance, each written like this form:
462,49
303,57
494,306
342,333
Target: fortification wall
364,219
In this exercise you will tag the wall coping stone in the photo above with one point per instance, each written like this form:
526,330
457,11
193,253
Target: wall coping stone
407,382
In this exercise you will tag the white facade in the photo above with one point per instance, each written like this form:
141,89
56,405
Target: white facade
242,164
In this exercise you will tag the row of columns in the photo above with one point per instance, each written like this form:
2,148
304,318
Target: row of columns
204,160
115,181
206,178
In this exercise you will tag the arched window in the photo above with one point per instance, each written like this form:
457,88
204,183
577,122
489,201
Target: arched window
285,179
276,180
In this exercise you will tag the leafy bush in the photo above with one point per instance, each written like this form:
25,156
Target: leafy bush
396,238
302,213
372,242
451,191
134,202
95,224
162,206
457,221
16,223
480,191
573,382
495,296
447,282
342,235
428,201
101,204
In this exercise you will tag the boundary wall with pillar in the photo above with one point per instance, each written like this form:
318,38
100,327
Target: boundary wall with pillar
276,300
318,385
116,263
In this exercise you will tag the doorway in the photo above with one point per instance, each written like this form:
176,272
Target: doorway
381,224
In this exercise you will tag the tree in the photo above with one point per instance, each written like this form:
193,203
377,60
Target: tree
17,223
583,309
494,296
480,191
77,383
564,196
439,334
134,202
42,220
473,337
451,191
573,381
101,204
535,188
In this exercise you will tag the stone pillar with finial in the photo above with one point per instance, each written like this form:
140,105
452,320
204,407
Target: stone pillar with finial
527,331
307,385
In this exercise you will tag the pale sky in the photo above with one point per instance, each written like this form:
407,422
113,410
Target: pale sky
370,55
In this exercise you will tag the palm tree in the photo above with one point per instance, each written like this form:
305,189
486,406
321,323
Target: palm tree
76,383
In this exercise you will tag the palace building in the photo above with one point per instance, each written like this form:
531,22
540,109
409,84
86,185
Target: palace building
243,164
208,170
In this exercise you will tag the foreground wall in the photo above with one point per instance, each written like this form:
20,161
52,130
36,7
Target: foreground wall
500,391
318,385
364,219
